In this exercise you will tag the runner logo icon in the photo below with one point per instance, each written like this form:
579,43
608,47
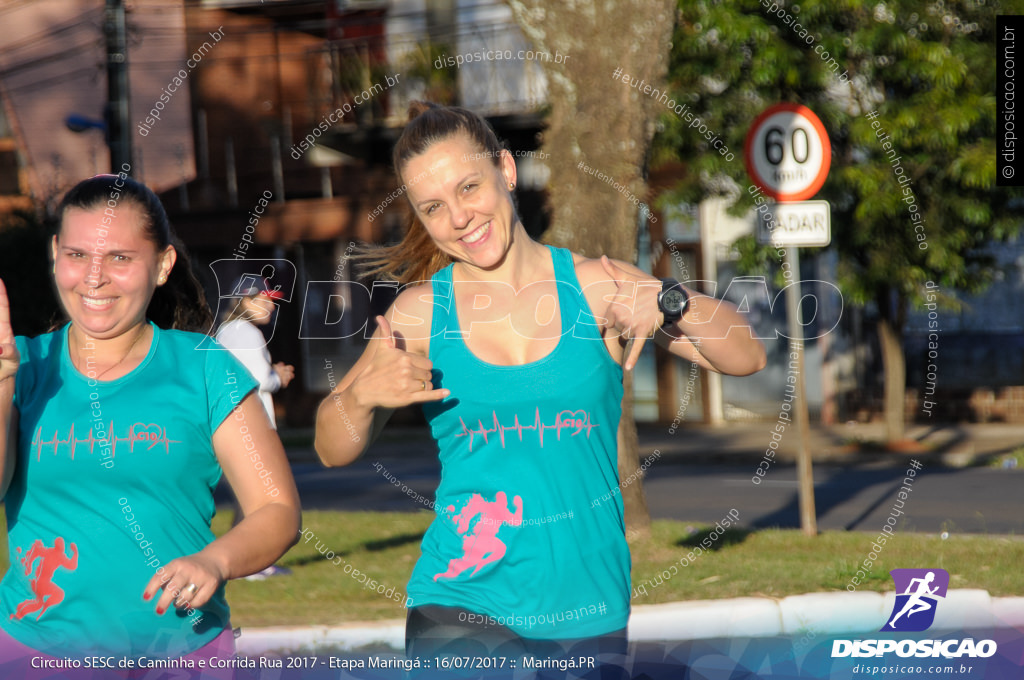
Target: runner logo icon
918,592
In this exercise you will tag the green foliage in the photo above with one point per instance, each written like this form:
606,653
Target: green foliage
925,67
440,84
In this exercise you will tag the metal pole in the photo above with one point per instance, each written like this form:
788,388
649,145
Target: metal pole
203,138
277,168
119,137
231,171
805,475
711,381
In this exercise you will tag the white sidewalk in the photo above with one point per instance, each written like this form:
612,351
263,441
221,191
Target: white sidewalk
808,616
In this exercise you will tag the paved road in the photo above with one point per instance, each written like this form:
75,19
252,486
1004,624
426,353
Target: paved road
859,498
971,500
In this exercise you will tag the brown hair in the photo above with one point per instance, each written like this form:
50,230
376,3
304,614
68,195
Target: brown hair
415,257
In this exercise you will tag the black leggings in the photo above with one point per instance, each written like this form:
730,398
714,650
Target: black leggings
436,631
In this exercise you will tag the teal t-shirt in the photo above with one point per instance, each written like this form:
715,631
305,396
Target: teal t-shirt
114,479
528,531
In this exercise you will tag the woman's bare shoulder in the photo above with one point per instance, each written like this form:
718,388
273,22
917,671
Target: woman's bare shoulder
591,272
411,315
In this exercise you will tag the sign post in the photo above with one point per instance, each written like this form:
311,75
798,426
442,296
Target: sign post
788,154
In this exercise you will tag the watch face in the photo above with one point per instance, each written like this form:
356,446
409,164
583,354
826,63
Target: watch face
673,300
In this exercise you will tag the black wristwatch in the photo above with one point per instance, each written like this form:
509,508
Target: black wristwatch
673,301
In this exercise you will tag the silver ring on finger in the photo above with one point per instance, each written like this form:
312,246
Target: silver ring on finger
191,589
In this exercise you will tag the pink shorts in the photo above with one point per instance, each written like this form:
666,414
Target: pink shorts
20,661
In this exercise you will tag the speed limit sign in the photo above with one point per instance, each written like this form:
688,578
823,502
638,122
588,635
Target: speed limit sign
787,152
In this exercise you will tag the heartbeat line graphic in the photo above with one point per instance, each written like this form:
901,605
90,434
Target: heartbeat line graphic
153,435
576,421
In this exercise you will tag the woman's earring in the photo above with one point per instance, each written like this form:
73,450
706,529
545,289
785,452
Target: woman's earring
511,186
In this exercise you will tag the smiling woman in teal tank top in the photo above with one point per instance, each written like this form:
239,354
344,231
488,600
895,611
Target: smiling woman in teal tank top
516,351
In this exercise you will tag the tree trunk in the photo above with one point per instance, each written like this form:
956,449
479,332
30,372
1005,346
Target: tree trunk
638,516
600,124
894,365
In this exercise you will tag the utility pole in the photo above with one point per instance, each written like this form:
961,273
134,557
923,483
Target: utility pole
116,113
788,155
805,474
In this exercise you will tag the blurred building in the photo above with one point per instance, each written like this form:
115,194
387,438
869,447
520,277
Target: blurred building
14,182
267,127
53,67
272,115
301,102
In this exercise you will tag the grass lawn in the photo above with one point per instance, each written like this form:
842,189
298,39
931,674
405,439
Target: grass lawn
767,563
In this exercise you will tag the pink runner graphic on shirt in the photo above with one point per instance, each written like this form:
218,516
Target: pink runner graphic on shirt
482,546
48,594
574,421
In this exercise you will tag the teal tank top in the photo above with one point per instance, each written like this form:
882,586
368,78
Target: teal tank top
525,451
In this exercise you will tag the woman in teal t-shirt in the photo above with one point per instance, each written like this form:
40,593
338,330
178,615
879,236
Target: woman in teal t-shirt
516,351
120,424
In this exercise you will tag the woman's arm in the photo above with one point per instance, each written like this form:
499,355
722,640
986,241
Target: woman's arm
392,372
712,333
345,428
9,362
8,443
255,466
715,335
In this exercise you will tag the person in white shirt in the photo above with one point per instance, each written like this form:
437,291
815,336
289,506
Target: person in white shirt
240,335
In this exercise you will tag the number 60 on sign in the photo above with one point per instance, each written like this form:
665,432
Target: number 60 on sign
787,152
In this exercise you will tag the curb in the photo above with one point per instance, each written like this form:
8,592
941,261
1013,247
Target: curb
809,615
840,613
